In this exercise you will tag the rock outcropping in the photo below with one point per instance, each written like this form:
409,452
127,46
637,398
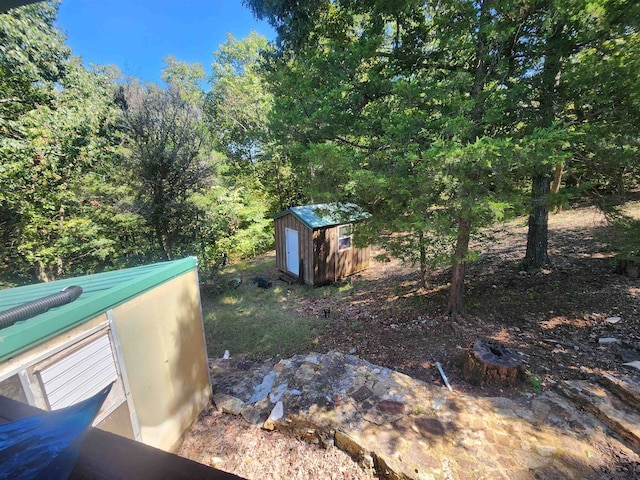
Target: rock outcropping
406,429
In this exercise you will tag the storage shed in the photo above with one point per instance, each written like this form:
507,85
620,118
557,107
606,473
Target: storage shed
139,327
314,243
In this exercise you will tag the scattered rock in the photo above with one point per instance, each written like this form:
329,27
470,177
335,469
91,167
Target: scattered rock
276,414
613,320
277,393
635,364
262,390
251,415
228,403
367,462
361,394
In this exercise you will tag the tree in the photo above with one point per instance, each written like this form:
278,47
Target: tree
238,103
434,114
57,151
169,152
563,35
33,58
237,108
374,99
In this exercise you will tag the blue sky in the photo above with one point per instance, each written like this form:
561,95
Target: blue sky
136,35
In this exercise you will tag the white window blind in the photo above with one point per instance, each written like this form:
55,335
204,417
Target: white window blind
79,375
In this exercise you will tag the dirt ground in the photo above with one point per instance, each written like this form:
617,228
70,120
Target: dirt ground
553,318
228,443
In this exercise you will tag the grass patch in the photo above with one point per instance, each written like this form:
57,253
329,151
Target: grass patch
536,384
255,322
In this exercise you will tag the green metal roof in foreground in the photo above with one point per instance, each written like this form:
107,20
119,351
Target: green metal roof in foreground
326,214
100,292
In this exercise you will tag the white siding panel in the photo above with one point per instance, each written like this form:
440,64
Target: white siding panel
79,375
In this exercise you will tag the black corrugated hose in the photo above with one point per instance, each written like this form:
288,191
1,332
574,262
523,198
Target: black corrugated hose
41,305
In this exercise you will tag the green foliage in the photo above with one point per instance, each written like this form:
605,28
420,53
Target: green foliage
238,102
605,90
627,241
51,155
433,116
169,154
187,77
536,384
33,58
237,107
97,173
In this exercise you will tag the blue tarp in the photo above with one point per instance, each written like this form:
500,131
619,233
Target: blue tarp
47,445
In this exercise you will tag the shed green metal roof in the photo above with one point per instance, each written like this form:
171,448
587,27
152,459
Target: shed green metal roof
100,292
326,214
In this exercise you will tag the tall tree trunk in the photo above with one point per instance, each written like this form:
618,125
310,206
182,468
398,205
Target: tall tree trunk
278,184
454,307
162,243
424,272
557,178
537,236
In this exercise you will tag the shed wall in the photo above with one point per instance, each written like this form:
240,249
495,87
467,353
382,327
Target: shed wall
353,261
50,347
56,350
305,245
324,268
332,264
162,345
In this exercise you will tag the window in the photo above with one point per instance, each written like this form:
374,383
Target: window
345,235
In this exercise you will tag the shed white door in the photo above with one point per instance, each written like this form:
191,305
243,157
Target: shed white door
293,261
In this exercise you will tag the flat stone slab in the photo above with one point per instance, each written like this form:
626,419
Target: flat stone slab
607,407
626,388
407,429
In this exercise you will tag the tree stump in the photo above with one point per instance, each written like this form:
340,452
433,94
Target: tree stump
492,363
628,267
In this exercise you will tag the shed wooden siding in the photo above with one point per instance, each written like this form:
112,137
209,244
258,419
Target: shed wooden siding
326,247
305,245
318,249
352,260
340,264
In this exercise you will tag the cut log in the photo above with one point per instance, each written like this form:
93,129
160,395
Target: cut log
492,363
